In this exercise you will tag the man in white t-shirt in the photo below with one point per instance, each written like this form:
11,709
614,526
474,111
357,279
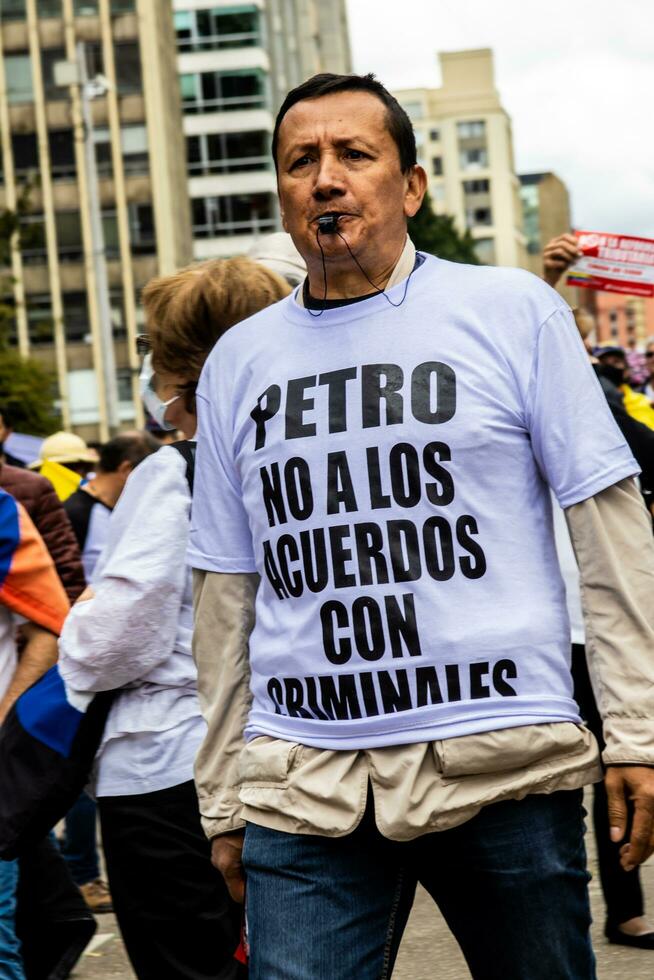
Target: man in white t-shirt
379,449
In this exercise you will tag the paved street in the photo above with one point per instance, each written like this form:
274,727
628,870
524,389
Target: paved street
428,951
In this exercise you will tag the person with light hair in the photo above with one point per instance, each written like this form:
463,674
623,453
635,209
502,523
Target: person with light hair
134,634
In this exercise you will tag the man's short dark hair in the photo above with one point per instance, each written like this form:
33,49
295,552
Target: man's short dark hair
130,447
399,124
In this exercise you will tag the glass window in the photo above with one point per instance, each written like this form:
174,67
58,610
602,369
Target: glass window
485,250
69,236
25,152
102,141
227,153
39,320
225,91
134,142
471,130
76,317
18,72
85,8
124,384
414,110
32,238
217,28
83,397
437,166
12,10
62,153
236,214
49,58
478,216
110,234
481,186
473,159
128,67
48,8
142,230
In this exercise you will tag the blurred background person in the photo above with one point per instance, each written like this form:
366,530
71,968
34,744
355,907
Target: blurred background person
44,923
172,906
648,390
89,510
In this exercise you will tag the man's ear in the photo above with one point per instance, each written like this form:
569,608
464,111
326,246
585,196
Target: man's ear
125,468
416,187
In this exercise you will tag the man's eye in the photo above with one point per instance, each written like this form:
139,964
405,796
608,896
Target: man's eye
354,154
300,162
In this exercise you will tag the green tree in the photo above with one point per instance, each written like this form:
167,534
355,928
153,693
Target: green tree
437,234
27,389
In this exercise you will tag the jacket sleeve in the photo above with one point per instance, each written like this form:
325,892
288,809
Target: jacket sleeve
612,537
130,625
54,527
224,618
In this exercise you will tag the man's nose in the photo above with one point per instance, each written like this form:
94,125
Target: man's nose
329,179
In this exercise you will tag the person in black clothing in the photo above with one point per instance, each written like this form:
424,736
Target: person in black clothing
622,890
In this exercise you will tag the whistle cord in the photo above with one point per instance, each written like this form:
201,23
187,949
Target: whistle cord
378,291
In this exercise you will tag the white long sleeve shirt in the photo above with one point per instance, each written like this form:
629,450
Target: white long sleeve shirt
135,634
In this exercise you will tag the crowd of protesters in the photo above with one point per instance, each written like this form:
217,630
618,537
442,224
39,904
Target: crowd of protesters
253,737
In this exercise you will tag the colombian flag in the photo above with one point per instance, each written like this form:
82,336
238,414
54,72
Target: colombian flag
29,584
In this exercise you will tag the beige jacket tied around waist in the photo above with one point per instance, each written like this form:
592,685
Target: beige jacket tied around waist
436,785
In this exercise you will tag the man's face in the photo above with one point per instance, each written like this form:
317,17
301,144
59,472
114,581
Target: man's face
335,154
5,431
649,359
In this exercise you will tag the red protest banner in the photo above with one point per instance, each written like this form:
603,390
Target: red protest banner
614,264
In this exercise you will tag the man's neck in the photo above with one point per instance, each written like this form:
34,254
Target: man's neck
348,280
104,488
400,269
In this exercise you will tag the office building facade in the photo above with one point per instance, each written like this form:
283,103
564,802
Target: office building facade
465,144
140,167
236,63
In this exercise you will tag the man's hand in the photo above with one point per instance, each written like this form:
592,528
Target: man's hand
635,783
558,255
226,857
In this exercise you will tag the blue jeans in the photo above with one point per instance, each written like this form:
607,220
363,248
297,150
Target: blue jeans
11,962
80,844
511,884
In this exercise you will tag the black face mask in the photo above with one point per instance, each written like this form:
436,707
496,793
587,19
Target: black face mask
614,374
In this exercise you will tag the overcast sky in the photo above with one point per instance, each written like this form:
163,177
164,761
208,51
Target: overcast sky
577,80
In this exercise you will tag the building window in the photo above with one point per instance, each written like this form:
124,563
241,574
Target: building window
49,58
128,68
134,141
32,238
39,320
124,384
434,135
18,72
25,152
48,8
218,28
473,159
437,166
471,130
478,216
223,91
227,153
76,317
481,186
142,229
62,154
485,250
69,236
85,8
12,10
237,214
414,110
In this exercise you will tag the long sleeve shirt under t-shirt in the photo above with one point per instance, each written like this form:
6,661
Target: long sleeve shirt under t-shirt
384,469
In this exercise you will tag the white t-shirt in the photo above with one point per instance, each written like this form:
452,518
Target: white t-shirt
8,657
385,469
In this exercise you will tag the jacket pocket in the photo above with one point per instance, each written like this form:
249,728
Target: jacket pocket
268,762
507,749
